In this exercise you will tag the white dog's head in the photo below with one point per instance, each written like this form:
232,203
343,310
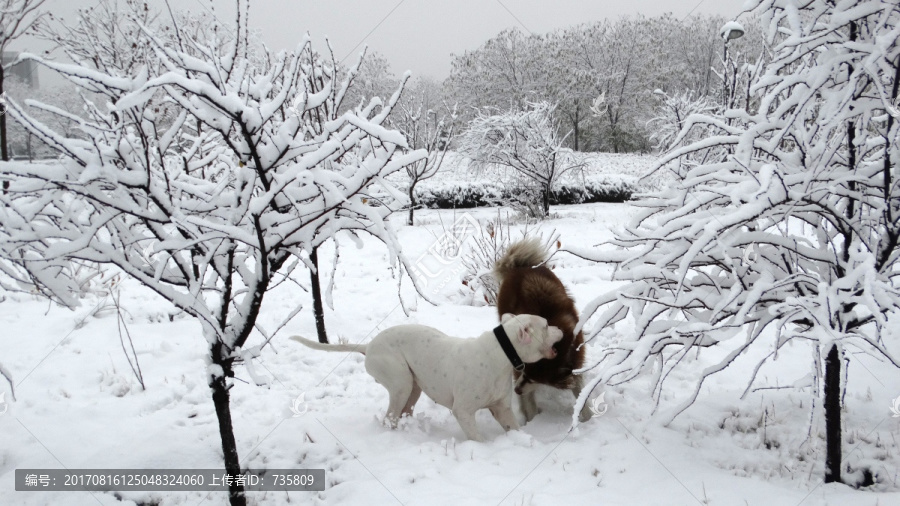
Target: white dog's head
532,337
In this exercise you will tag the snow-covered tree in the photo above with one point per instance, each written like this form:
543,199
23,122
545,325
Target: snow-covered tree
625,60
16,18
370,78
65,97
504,73
522,144
373,78
210,219
569,80
106,36
428,123
791,237
628,78
673,112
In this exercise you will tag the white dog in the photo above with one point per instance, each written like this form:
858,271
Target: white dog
464,375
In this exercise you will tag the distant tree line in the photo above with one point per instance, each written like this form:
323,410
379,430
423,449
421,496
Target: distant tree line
625,61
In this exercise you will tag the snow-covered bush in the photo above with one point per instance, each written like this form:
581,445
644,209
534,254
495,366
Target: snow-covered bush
526,151
486,247
793,236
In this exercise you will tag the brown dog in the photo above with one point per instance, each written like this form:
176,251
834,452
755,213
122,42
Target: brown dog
529,287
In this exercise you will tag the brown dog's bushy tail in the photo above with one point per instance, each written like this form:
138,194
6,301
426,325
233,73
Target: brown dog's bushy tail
525,253
359,348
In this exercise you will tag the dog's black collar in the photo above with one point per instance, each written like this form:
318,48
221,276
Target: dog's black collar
507,346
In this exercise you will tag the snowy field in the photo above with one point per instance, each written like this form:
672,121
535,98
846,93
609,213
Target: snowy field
78,405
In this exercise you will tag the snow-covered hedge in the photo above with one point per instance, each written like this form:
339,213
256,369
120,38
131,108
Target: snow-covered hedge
595,188
468,194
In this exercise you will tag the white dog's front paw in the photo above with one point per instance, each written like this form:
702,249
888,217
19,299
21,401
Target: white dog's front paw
520,438
388,422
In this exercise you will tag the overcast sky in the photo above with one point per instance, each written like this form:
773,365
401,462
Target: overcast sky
416,35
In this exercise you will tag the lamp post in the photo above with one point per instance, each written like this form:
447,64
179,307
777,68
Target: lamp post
729,31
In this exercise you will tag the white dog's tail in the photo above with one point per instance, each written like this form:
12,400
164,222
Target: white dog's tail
359,348
525,253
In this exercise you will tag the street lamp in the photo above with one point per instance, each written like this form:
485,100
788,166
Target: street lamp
729,31
732,30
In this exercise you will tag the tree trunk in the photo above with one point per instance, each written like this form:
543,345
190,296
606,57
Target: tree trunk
226,428
412,203
4,154
4,150
833,416
545,201
576,126
832,404
318,309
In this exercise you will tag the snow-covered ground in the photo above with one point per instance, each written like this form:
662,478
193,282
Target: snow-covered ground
78,405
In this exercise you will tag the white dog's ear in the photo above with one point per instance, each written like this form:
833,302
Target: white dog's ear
505,318
525,334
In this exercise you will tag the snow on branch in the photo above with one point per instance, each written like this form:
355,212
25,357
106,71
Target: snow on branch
790,231
206,171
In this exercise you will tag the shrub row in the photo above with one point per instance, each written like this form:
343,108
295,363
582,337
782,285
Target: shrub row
468,194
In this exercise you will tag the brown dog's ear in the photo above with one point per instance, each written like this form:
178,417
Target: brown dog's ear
525,334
